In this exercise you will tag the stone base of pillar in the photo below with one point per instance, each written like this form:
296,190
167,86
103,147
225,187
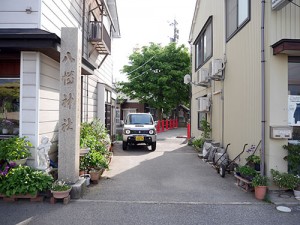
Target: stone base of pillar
78,188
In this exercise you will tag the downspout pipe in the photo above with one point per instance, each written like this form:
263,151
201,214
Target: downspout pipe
263,119
82,55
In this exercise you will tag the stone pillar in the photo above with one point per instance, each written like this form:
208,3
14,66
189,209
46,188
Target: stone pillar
69,106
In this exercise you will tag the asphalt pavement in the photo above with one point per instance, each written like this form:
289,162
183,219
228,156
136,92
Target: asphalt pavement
171,185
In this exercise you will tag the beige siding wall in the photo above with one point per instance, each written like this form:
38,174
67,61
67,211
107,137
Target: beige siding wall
283,23
207,9
242,86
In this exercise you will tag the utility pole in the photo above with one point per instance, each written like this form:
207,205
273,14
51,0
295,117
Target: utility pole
175,32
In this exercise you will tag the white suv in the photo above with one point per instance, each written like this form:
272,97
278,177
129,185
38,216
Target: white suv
139,128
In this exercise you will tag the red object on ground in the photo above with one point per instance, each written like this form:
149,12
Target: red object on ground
162,125
167,125
158,127
188,131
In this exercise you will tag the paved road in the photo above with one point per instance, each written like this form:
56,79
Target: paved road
168,186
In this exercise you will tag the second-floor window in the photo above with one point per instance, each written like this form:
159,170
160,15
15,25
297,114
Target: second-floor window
203,44
237,15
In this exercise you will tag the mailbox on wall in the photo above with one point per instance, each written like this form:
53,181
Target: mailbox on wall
281,132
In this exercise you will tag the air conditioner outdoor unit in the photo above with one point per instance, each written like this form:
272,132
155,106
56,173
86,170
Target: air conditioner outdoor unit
202,77
203,104
95,30
279,4
215,69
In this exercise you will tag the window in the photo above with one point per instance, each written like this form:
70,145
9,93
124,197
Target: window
107,96
203,44
237,15
9,105
294,96
201,116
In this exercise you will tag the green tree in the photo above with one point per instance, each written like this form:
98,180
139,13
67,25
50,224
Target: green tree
155,76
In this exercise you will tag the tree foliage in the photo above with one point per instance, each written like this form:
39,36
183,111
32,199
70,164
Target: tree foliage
155,76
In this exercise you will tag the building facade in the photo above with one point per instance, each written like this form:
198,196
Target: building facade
30,40
246,75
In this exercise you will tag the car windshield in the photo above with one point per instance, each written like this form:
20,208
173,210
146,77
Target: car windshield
139,119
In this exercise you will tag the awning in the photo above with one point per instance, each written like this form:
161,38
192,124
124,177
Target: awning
290,47
16,40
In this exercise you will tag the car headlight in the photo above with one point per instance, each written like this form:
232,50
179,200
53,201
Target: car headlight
151,132
127,131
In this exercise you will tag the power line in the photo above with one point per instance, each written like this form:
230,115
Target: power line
141,65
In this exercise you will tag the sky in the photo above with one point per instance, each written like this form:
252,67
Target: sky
145,21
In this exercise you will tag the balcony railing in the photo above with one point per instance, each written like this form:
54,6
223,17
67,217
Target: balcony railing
99,37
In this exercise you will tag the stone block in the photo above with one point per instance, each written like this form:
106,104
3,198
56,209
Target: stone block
78,188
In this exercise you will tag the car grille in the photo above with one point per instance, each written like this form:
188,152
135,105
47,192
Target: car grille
139,131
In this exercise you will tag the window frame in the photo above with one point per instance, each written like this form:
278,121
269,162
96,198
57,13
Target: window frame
239,27
199,51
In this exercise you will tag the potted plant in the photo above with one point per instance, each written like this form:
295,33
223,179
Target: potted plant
287,181
60,189
260,183
297,190
247,172
23,180
254,161
293,158
15,149
94,162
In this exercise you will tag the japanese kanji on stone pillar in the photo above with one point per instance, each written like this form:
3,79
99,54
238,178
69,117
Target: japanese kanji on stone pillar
69,106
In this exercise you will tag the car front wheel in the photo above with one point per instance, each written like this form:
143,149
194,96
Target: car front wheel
124,145
153,146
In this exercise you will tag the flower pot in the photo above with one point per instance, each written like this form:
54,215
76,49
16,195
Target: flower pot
61,194
95,175
19,161
257,166
260,192
297,194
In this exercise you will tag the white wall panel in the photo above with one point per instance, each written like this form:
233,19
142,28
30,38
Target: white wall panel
13,14
29,104
60,13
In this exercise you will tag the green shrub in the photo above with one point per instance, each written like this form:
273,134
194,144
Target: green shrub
253,159
293,158
285,180
260,180
25,180
198,143
15,148
93,135
247,171
93,160
206,129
